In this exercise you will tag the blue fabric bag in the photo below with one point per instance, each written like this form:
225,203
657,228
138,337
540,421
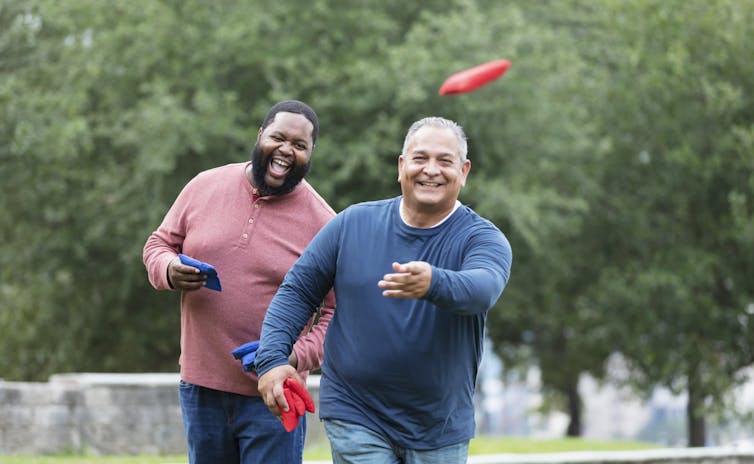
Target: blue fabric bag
213,280
247,353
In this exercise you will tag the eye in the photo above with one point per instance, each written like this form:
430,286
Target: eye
301,146
276,138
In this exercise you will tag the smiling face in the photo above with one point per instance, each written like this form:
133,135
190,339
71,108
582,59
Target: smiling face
431,174
282,154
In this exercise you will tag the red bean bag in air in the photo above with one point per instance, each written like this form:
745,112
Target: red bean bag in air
471,79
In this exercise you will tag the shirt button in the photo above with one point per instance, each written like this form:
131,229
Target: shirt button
256,205
251,220
245,236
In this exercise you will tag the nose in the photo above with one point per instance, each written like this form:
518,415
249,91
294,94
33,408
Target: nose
431,168
286,148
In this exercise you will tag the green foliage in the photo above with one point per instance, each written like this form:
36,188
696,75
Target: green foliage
101,129
677,192
616,154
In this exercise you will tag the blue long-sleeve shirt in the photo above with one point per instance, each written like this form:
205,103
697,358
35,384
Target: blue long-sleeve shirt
403,367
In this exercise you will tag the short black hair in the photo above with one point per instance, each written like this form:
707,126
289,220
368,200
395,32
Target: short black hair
293,106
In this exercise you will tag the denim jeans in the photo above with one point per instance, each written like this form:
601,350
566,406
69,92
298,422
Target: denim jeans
355,444
224,427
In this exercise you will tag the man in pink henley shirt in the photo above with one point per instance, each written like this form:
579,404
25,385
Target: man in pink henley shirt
251,221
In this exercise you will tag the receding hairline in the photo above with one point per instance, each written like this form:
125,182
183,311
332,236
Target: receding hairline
440,123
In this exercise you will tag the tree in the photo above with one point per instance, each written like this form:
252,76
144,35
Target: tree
117,106
109,109
674,223
540,157
616,155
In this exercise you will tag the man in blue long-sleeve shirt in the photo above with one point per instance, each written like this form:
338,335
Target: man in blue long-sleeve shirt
414,277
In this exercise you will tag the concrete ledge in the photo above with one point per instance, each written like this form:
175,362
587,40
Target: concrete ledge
89,379
722,455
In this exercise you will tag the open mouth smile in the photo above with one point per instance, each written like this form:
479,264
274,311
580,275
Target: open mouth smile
279,167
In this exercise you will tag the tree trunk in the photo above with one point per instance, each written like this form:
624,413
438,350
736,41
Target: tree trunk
574,409
695,418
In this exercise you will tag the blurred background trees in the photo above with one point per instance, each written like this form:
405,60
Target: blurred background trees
617,154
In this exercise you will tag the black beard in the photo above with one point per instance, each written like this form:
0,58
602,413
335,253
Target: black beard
259,165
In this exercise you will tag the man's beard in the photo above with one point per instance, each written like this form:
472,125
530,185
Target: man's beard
259,166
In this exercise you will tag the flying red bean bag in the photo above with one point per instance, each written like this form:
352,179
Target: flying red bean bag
471,79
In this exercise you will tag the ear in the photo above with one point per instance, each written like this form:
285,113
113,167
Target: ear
259,132
400,166
465,168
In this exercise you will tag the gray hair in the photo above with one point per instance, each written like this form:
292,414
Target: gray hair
435,121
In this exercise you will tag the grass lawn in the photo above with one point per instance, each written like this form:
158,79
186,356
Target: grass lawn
481,445
494,445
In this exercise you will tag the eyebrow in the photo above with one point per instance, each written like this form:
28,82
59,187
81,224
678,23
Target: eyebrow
285,136
440,155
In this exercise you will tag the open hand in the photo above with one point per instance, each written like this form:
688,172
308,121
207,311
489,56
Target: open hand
410,280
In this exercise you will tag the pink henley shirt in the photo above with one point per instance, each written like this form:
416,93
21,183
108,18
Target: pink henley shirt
252,242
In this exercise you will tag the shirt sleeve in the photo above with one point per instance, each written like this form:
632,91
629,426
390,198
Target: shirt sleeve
301,293
484,272
308,348
164,244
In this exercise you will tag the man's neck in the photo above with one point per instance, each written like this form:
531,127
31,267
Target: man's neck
425,220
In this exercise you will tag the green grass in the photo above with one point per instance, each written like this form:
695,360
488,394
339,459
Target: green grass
481,445
494,445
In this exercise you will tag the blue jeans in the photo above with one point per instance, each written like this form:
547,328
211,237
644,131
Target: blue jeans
355,444
224,427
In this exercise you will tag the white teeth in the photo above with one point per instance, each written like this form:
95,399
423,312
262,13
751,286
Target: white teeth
429,184
281,163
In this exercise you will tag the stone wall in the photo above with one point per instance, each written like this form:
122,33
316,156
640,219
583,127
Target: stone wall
101,414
